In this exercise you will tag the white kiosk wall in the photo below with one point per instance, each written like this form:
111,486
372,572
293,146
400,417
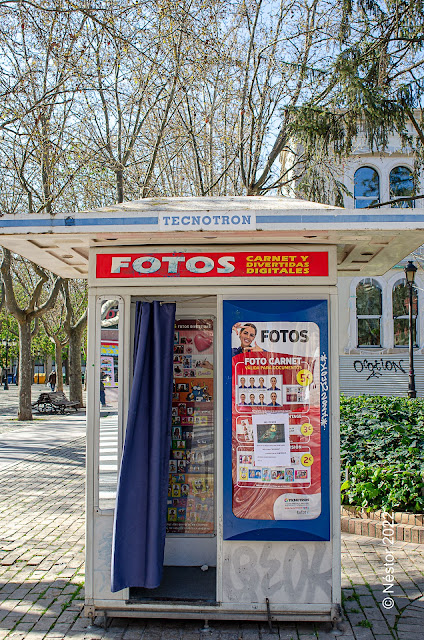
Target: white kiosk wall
299,579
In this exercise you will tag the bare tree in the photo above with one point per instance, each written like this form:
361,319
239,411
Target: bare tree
130,95
242,83
75,298
28,296
38,148
17,16
53,322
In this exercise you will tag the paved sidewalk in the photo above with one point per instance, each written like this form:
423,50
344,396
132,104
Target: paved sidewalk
42,570
9,407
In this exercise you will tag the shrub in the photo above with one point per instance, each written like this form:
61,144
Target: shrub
382,449
384,487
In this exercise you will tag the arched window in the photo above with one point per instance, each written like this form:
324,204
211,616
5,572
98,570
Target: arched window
402,184
368,313
366,187
401,313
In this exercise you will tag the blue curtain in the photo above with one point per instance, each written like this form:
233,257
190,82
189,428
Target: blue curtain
140,515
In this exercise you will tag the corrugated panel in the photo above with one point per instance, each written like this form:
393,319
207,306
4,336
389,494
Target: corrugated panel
385,375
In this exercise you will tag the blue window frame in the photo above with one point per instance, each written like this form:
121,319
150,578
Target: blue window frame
402,184
366,187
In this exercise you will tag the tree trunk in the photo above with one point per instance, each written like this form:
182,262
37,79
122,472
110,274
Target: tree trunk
59,365
49,366
75,374
25,372
66,365
119,185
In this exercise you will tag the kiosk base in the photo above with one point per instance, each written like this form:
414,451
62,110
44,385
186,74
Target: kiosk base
181,584
226,611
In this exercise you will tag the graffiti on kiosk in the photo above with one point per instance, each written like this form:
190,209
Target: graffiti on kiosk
377,367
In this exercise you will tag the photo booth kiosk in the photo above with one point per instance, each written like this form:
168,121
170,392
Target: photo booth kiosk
212,397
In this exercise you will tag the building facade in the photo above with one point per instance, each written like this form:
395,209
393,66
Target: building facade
373,348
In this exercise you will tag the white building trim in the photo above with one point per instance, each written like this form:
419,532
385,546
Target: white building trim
386,282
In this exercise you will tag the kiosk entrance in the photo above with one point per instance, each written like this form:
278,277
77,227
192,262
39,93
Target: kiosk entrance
242,487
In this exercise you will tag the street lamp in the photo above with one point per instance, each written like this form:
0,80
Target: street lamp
410,271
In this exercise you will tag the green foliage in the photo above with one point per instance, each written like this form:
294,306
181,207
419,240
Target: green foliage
388,488
382,448
8,335
364,623
41,345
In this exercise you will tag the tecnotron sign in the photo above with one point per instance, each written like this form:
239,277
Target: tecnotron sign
212,265
208,221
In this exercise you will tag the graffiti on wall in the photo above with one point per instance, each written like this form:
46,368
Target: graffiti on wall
300,572
378,367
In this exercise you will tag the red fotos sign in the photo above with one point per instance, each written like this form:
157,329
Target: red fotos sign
212,265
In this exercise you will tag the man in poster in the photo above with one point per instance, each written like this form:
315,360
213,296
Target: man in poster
274,402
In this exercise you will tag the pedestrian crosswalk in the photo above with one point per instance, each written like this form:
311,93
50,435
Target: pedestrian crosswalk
108,460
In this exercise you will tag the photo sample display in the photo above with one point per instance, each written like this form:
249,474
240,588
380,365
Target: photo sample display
191,463
276,421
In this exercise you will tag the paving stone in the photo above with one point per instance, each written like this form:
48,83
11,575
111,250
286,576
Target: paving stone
355,618
405,626
367,601
375,616
132,634
361,590
288,634
362,633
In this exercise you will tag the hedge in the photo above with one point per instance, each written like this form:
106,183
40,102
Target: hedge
382,452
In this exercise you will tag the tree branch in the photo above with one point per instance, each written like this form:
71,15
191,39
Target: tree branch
9,294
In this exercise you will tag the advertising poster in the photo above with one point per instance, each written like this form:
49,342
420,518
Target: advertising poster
107,371
109,348
191,464
276,417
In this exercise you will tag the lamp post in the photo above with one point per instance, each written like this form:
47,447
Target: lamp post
410,271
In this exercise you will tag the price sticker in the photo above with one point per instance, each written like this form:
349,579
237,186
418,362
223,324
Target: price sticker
304,377
307,459
306,429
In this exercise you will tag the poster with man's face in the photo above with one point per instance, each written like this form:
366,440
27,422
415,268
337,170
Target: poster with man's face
276,452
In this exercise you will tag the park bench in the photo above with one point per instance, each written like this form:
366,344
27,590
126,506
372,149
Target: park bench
54,402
